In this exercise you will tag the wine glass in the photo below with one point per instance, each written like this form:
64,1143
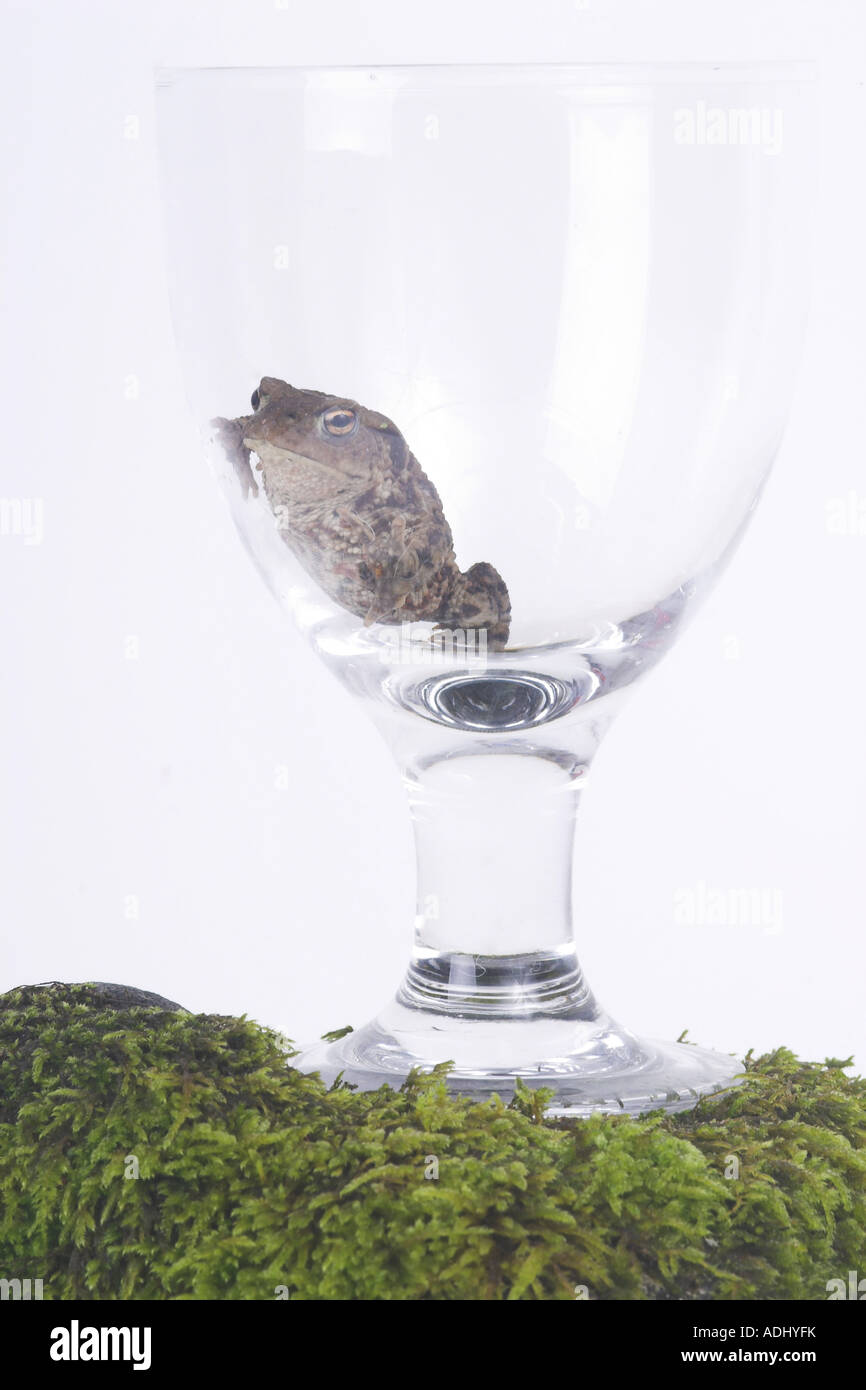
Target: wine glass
492,363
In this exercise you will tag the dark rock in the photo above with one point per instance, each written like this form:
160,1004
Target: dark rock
110,996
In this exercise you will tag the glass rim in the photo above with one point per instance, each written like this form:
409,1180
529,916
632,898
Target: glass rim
639,72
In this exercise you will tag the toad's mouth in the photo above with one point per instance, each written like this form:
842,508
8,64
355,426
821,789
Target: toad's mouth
272,456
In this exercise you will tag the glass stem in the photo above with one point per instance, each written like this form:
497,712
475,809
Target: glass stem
494,835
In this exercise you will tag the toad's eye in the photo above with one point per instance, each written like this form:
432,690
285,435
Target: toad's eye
339,420
255,400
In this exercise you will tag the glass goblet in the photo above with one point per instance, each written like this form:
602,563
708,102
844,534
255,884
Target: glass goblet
492,363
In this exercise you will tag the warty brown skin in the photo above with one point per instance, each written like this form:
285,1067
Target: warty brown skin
354,505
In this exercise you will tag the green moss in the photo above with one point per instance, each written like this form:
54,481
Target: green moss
253,1176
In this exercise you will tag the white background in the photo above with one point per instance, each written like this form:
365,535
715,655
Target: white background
151,689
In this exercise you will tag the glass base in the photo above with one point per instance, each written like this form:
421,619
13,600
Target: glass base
591,1065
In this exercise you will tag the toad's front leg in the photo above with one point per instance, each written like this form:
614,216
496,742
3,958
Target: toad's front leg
230,434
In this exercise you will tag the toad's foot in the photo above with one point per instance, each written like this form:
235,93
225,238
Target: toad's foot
479,599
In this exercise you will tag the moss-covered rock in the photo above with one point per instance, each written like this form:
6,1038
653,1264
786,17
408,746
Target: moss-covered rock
254,1181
